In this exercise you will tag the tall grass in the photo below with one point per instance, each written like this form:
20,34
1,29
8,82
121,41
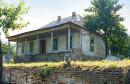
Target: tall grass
85,65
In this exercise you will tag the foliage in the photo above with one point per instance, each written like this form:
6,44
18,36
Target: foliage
5,48
11,16
103,18
45,72
128,46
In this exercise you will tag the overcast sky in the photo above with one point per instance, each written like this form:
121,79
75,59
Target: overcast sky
45,11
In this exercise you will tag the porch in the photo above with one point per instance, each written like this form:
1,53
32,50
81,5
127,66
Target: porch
54,45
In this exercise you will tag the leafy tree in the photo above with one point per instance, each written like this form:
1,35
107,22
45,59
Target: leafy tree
11,18
103,17
5,48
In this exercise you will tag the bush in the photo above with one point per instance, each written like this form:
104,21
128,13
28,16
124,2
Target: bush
45,72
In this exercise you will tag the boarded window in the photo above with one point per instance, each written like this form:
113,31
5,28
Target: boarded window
71,42
91,44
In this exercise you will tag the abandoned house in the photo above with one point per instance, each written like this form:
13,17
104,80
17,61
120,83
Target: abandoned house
64,38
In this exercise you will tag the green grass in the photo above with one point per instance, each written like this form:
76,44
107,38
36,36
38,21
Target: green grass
85,65
36,65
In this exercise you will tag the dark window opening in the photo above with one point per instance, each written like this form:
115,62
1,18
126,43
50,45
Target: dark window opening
31,46
22,48
71,42
55,44
42,46
92,44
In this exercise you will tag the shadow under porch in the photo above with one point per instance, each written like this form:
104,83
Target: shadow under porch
45,47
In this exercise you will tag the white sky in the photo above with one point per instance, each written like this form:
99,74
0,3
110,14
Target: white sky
45,11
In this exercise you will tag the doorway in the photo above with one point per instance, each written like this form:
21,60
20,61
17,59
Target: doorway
42,46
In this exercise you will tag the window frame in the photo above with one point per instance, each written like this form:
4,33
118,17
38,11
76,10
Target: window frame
55,44
91,44
22,48
31,46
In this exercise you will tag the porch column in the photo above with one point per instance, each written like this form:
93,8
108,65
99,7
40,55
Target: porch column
37,44
69,33
9,48
80,39
52,36
26,40
16,47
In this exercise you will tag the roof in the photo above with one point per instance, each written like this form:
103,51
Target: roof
74,18
77,19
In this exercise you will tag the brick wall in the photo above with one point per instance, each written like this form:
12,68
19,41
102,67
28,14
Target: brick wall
31,76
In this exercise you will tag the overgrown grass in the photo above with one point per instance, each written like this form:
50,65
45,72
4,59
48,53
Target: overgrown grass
85,65
35,65
92,65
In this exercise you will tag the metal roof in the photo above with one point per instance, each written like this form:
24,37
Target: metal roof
77,19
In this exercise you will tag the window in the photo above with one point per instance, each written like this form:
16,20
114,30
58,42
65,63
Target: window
71,42
31,47
22,47
66,42
92,44
55,44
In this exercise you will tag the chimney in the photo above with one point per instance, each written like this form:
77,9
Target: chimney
73,14
58,18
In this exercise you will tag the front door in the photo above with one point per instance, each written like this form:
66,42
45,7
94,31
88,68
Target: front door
42,46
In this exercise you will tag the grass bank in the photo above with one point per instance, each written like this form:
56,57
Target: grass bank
85,65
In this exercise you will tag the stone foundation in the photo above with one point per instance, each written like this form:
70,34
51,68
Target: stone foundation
74,54
31,76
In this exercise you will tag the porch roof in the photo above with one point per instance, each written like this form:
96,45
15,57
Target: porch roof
76,20
52,28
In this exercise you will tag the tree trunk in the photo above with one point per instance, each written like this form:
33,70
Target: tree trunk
106,44
1,62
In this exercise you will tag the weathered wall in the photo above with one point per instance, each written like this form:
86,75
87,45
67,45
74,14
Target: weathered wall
62,42
31,76
99,48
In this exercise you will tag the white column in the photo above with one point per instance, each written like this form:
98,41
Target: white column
69,33
52,36
37,44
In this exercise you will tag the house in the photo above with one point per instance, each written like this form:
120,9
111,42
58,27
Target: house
65,38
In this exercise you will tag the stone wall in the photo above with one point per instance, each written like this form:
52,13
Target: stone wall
64,76
74,54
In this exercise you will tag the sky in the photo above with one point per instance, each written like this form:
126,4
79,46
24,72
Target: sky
44,11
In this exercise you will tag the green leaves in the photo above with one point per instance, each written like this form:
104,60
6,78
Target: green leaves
11,16
103,15
5,48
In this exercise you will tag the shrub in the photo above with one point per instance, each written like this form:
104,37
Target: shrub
45,72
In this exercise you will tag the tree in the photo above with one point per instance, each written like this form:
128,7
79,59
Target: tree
11,18
103,18
5,47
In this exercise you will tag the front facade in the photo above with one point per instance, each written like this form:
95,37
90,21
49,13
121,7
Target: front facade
60,40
